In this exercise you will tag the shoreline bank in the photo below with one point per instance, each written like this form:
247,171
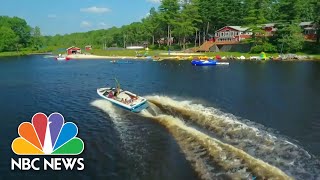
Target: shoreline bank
226,56
93,57
175,58
23,53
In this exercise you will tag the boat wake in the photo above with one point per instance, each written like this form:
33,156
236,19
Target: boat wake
116,115
131,141
211,157
219,145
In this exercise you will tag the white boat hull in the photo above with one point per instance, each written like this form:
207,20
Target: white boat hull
61,58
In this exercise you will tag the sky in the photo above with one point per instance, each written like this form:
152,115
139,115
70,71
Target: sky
68,16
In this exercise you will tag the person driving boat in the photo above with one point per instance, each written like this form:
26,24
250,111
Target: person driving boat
117,92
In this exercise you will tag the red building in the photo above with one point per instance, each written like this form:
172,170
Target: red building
88,48
269,29
73,50
309,30
232,34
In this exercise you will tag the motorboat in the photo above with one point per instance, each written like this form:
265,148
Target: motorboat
62,58
123,99
204,62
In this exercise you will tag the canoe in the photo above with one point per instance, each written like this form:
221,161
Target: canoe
125,99
204,62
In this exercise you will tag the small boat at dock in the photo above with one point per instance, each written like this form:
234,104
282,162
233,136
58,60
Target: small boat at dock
62,58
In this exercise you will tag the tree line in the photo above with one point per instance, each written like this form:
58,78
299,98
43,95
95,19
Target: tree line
189,22
16,35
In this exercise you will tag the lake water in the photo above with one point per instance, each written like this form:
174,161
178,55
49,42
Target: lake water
248,119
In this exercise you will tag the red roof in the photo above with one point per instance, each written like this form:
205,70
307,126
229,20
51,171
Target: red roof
73,47
237,28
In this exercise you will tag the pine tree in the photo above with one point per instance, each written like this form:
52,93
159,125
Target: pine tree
168,11
256,12
187,19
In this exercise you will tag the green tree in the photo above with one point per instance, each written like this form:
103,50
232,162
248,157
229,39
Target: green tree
22,30
187,20
216,14
295,10
256,11
8,39
316,5
168,12
37,39
290,38
151,24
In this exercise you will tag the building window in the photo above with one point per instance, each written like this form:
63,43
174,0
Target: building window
222,34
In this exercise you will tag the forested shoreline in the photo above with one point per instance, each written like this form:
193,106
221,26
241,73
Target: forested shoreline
190,22
17,35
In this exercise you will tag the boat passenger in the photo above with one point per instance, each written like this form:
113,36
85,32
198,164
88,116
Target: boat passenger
117,92
110,95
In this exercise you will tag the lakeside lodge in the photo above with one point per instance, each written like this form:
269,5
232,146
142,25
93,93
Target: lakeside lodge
229,38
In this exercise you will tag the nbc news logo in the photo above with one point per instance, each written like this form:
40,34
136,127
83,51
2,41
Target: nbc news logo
48,136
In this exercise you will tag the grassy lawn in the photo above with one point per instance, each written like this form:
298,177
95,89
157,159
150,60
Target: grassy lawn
12,53
21,53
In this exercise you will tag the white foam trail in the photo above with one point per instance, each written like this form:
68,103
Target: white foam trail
115,115
256,141
128,134
227,156
107,107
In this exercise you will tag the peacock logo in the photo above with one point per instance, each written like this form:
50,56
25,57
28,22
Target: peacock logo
47,136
